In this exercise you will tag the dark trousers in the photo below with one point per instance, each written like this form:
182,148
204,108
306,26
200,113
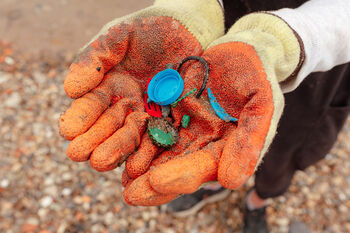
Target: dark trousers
313,116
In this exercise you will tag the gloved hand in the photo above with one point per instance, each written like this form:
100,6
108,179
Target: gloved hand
246,66
106,121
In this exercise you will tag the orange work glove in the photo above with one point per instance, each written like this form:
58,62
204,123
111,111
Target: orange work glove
246,67
109,77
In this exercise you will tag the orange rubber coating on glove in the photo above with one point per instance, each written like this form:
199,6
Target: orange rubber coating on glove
134,50
238,80
138,163
86,110
125,179
83,113
187,172
142,46
96,60
121,144
112,119
139,192
244,145
252,93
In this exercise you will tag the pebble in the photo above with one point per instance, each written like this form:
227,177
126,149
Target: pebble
109,218
42,212
66,191
13,100
51,190
4,183
282,221
67,176
46,201
33,221
9,61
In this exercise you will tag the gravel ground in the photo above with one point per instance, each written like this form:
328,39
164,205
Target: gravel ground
41,190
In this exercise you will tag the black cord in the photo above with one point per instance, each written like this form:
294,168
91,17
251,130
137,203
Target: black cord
206,74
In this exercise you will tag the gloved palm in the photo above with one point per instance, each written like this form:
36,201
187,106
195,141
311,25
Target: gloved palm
244,78
107,121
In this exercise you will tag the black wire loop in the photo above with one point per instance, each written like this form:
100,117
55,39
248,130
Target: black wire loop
206,74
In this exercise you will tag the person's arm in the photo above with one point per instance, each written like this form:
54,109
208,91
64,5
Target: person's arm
324,29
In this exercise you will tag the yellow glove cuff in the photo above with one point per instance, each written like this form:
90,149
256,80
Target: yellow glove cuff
203,18
274,41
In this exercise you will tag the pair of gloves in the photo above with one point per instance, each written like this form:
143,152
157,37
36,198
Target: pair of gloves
107,122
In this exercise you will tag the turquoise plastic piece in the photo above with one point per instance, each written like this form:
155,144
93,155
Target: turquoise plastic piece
165,87
218,109
185,121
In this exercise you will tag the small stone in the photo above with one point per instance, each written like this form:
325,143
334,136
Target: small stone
9,61
62,227
97,228
78,200
338,180
86,206
282,221
51,190
152,224
145,216
67,176
343,209
33,221
122,223
109,218
169,230
4,183
42,213
13,100
86,199
66,192
49,181
46,201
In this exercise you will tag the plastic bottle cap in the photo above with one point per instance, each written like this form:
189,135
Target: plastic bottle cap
161,132
165,87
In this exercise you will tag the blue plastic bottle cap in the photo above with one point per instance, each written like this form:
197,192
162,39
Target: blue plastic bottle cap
165,87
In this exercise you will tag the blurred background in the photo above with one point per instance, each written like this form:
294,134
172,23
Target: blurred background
41,190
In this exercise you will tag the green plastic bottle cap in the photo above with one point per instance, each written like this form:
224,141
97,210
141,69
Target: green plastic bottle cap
162,132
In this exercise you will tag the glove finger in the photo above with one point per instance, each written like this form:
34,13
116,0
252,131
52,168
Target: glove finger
84,111
126,180
112,119
246,143
139,162
185,173
140,192
187,144
112,152
96,59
